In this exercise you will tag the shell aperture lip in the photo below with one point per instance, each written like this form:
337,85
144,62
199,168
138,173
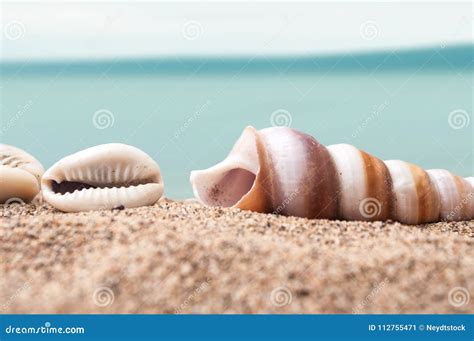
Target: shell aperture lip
229,182
103,177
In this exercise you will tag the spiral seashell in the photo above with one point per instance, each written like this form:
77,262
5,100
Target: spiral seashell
103,177
471,196
415,197
456,195
281,170
20,175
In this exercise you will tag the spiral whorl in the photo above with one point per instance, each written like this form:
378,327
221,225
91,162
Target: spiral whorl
281,170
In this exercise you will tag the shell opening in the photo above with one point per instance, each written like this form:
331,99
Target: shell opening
229,189
65,187
68,187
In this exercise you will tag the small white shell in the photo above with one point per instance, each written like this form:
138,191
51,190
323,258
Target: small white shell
20,175
103,177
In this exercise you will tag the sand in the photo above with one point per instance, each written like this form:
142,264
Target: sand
178,257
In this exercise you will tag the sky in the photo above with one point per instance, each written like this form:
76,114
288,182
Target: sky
55,30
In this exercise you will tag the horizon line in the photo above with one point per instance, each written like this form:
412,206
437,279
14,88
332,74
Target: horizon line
452,56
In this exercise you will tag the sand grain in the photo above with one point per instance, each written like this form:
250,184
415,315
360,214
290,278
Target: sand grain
182,257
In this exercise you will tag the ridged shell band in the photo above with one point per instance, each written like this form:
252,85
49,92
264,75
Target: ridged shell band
280,170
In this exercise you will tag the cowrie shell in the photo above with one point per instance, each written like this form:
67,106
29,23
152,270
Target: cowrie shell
103,177
20,175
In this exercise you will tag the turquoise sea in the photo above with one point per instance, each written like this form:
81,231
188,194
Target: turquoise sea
414,105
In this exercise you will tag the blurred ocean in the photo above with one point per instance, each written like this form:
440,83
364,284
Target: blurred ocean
414,105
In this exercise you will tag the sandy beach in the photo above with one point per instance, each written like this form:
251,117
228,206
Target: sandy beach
181,257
